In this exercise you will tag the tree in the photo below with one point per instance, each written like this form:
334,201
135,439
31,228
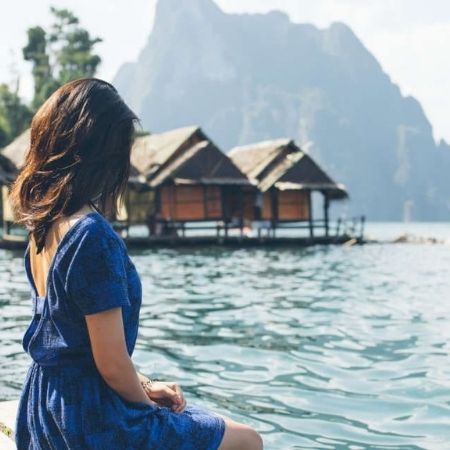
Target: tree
36,52
74,56
15,116
64,53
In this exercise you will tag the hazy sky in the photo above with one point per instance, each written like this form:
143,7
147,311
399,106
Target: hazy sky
411,38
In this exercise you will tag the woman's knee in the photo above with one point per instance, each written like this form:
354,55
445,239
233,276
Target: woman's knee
238,436
255,440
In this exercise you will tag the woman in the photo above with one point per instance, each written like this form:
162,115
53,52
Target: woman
82,390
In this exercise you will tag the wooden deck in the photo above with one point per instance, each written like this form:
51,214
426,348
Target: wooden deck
233,241
230,241
292,234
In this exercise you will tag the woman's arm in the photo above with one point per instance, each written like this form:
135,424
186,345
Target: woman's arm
111,356
115,366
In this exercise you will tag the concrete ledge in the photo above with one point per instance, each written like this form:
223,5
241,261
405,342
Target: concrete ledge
8,411
6,443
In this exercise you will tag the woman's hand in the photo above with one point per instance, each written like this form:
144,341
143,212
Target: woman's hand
165,393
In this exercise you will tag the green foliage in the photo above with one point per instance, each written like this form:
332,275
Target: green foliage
36,52
14,115
62,54
73,54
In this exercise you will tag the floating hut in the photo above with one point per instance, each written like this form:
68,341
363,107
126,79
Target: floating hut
8,172
190,180
12,158
286,177
180,180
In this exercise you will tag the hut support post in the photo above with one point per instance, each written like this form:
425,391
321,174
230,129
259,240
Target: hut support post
338,226
240,196
226,199
157,213
274,200
361,233
311,223
6,227
326,208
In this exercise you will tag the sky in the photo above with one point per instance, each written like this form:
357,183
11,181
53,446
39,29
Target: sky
410,38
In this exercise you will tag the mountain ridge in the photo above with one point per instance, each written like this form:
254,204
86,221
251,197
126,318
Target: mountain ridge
251,77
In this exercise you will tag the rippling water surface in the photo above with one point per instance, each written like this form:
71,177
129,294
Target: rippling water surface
325,347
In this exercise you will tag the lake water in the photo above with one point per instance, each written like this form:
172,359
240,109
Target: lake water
324,347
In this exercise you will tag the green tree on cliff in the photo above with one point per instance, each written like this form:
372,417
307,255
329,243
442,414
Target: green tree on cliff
61,54
36,52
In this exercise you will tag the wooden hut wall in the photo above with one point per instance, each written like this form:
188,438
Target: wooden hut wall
248,198
293,205
191,202
213,202
267,206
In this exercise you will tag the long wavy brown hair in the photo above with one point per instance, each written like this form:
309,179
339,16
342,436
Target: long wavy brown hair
81,140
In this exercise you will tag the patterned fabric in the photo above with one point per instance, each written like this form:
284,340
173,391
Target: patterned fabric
65,403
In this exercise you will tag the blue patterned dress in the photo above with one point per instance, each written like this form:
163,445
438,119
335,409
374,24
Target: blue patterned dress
65,403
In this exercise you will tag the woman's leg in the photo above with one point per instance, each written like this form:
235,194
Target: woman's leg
238,436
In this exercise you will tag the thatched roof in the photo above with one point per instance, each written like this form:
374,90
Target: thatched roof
10,156
202,163
253,159
283,165
154,157
184,155
18,148
16,151
152,152
8,170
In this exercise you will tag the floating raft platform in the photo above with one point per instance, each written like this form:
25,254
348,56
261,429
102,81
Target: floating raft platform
234,241
203,241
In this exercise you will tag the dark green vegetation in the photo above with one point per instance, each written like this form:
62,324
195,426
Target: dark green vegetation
14,114
251,77
60,54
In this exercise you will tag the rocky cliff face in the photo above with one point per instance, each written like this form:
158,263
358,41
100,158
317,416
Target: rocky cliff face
246,78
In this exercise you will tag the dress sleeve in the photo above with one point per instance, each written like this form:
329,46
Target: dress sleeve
97,278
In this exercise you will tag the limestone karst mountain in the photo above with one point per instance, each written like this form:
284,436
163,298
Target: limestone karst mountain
251,77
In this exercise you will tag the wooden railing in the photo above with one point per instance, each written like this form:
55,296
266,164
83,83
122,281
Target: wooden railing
352,228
